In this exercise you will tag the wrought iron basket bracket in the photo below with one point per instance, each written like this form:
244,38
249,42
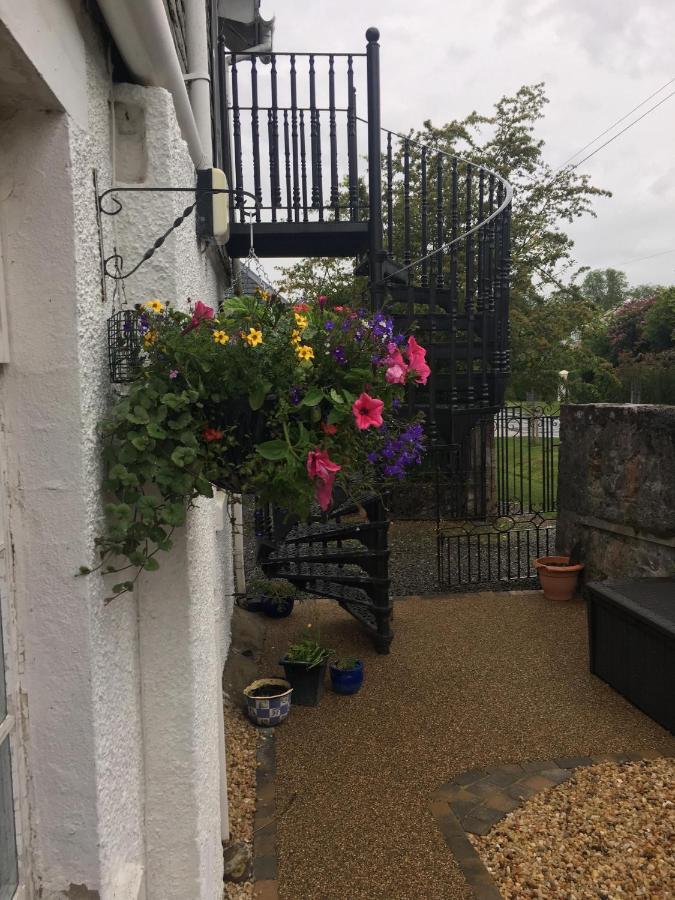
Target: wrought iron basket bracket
113,264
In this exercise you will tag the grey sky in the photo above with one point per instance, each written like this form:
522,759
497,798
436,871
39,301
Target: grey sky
599,58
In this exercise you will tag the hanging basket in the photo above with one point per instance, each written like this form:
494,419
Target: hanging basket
125,346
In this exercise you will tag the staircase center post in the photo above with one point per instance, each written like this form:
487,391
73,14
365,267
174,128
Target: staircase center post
374,168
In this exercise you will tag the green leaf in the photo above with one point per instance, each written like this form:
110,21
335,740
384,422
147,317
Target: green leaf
151,564
273,450
312,397
335,397
155,431
139,416
84,570
140,441
256,396
183,456
335,416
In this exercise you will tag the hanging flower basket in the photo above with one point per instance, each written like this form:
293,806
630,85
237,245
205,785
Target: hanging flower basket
283,401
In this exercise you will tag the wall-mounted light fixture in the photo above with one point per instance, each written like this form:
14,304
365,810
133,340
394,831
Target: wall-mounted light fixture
213,208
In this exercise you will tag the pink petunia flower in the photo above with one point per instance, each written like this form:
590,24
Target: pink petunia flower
367,411
321,467
417,361
201,313
397,369
322,300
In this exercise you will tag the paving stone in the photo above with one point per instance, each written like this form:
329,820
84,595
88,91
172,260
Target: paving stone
451,792
572,762
507,768
599,758
501,802
485,890
484,788
266,890
557,776
520,791
635,757
462,808
476,826
264,868
460,847
538,782
265,843
504,778
485,814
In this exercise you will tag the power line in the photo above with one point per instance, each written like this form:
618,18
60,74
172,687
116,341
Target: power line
651,256
623,130
614,124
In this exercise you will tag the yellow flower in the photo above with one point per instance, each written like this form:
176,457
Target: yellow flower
301,321
155,305
149,338
304,352
253,338
220,337
264,295
296,337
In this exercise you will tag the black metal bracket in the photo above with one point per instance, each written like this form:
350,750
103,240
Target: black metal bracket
115,260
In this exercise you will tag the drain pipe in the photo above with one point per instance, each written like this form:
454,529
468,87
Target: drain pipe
198,76
141,31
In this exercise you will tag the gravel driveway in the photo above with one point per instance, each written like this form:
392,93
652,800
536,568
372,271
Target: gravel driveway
472,680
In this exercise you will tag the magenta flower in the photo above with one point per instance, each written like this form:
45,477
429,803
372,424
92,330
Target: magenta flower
321,467
201,313
367,411
173,373
417,361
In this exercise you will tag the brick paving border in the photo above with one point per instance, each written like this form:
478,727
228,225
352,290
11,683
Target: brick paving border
474,801
265,885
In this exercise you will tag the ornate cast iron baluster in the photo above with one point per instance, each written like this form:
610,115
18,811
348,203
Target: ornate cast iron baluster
454,288
287,157
352,153
482,301
468,292
424,280
270,141
274,142
313,142
255,137
407,254
236,133
439,220
499,334
303,167
318,165
334,192
390,199
294,136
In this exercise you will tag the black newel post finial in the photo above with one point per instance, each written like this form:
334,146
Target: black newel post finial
374,167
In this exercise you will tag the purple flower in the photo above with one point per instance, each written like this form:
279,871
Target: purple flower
143,323
373,457
330,325
345,325
339,355
396,402
376,360
173,373
296,396
358,334
399,339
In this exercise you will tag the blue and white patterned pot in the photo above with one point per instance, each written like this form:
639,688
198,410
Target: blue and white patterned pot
272,708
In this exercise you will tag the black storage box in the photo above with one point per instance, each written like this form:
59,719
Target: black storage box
631,628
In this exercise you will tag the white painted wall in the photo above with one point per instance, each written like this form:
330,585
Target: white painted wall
122,711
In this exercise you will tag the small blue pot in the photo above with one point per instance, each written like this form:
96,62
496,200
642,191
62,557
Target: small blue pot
272,708
347,681
274,609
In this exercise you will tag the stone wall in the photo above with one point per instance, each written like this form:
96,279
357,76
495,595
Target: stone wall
616,489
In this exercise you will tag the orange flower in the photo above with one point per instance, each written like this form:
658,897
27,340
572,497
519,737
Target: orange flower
212,434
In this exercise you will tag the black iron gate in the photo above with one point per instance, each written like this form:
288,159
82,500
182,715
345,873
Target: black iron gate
497,513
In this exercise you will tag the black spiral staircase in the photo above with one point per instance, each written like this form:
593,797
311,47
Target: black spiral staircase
431,232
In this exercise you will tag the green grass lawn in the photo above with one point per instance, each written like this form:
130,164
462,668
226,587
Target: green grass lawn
537,489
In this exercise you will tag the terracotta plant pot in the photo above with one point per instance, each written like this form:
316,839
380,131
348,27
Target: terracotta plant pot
558,579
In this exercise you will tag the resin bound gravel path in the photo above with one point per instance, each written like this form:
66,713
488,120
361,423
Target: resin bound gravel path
473,680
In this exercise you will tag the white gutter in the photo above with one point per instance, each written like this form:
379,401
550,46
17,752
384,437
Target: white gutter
142,34
199,82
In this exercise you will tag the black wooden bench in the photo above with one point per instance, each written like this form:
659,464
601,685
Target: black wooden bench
631,628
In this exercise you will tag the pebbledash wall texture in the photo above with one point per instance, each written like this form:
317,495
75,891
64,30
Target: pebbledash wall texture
121,705
616,489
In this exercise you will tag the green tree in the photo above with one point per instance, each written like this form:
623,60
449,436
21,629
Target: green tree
334,278
605,288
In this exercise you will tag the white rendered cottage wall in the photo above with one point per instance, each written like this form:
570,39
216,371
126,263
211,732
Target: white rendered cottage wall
122,703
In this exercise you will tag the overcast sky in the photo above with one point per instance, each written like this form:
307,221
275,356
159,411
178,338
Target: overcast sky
599,58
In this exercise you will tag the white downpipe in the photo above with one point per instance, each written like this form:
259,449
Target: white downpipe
142,34
199,82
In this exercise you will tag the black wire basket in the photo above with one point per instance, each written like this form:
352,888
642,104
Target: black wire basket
126,330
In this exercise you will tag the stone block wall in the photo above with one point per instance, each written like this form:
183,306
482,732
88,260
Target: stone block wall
616,489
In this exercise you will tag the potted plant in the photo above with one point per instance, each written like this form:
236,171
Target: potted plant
305,668
268,701
274,596
558,576
346,675
282,401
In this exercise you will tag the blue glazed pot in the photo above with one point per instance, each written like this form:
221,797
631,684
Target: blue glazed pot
273,706
347,681
274,609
